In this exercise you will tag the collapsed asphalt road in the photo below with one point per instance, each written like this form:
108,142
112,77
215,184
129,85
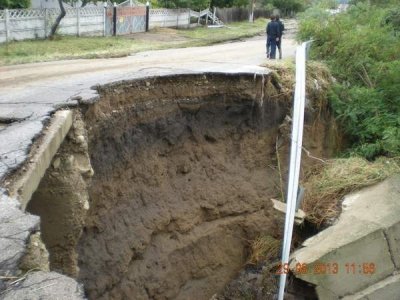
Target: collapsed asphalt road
30,93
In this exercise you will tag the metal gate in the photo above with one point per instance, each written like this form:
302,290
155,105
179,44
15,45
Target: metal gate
126,20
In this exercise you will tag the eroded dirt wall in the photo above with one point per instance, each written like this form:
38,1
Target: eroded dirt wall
61,199
184,170
181,182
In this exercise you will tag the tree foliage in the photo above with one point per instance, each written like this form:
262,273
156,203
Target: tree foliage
173,4
375,2
289,5
362,49
284,5
14,4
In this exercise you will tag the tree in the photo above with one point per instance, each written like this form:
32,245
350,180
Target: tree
375,2
324,4
284,5
58,20
241,3
287,6
267,4
221,3
62,14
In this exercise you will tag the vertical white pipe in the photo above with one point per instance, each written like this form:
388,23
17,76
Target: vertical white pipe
295,158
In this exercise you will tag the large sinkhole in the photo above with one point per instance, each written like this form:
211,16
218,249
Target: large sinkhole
161,182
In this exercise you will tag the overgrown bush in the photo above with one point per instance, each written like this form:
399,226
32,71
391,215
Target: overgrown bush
361,48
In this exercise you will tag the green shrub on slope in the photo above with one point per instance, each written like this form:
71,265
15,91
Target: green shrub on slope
362,50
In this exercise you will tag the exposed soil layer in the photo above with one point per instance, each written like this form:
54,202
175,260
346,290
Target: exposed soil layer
61,200
181,182
184,168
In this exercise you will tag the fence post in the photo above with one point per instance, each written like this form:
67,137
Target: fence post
105,19
188,17
115,20
78,20
147,15
45,22
177,17
214,15
7,25
198,20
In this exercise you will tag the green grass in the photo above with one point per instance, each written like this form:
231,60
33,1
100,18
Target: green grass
70,47
237,30
327,184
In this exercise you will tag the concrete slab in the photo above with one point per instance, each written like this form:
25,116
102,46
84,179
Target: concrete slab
325,294
379,204
15,142
280,207
45,286
24,122
388,289
366,236
339,268
15,228
54,135
393,237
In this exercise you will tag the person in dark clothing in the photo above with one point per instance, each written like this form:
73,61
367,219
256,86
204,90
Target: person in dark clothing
281,29
273,34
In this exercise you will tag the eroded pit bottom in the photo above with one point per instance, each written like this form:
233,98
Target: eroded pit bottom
174,200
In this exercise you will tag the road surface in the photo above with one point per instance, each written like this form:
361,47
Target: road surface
30,92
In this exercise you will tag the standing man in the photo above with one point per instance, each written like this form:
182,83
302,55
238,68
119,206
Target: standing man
273,34
281,29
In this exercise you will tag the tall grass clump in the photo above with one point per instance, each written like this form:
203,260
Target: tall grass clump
264,249
327,184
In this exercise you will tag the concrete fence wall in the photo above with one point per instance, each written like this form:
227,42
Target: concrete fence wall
22,24
169,17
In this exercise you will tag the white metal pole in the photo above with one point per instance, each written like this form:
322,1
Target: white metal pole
295,158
